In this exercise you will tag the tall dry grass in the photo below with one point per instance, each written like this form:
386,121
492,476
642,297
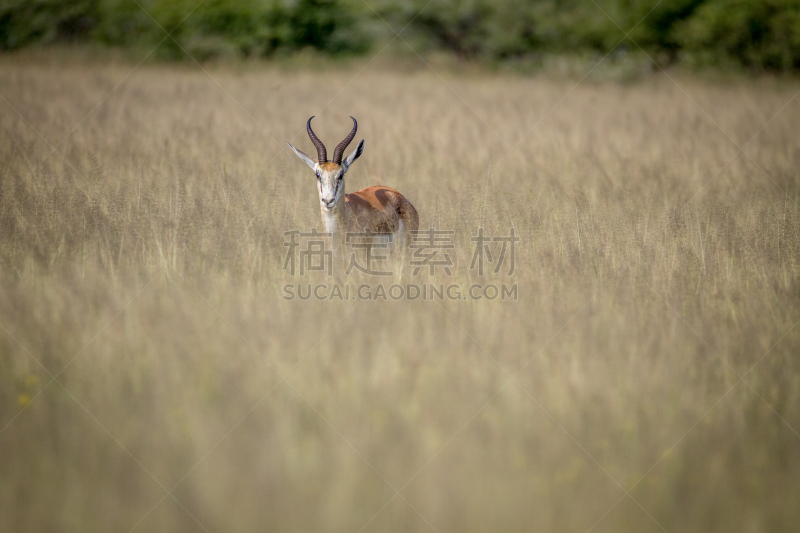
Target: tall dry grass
647,377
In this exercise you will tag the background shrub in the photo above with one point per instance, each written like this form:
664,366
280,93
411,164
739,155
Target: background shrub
755,34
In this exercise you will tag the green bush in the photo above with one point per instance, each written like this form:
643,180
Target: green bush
757,34
764,34
501,29
24,22
246,28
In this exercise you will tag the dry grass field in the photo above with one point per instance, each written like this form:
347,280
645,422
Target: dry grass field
153,377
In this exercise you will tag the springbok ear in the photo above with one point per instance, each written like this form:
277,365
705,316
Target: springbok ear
307,160
353,156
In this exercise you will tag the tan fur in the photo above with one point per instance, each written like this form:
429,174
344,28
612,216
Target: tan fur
379,208
329,167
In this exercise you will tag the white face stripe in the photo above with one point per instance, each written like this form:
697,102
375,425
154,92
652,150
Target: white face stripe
331,187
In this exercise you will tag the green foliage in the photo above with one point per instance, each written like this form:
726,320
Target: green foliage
214,27
23,22
752,33
758,34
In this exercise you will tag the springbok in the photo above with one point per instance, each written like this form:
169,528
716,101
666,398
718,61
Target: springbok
381,210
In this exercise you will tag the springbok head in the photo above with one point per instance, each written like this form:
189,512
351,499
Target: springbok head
330,174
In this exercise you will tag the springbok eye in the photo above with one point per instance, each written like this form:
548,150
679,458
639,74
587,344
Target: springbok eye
317,175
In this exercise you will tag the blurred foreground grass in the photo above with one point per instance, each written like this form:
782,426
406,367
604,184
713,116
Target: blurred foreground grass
653,347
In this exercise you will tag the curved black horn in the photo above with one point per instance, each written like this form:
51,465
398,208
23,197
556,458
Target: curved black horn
342,146
322,153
